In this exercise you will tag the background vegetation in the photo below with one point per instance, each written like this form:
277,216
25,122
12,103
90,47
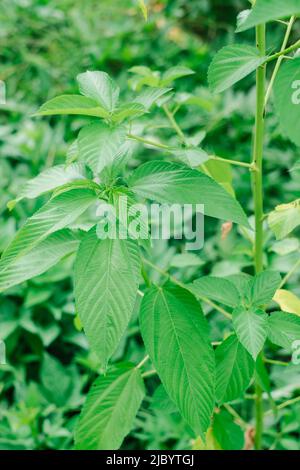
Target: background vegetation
43,46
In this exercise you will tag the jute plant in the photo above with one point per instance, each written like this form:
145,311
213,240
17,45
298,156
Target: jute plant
201,379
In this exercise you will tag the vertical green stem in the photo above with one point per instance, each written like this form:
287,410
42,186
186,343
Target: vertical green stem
258,151
259,423
258,198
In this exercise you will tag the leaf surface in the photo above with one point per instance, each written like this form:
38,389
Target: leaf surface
227,433
106,282
99,145
287,301
173,183
149,96
127,112
264,286
56,214
287,99
284,219
231,64
251,328
216,288
284,329
174,73
234,370
176,337
100,87
72,104
193,156
110,409
269,10
50,179
41,258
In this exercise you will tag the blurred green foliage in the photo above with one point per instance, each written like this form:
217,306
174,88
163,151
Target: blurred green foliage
43,46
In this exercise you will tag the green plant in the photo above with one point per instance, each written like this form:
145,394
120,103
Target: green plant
109,273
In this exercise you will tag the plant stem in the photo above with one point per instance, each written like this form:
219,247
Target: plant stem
261,100
238,419
149,373
290,402
174,123
214,305
289,49
258,198
289,274
259,413
280,58
258,152
275,362
159,145
233,162
143,362
149,142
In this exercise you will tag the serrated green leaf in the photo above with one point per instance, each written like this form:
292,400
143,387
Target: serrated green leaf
149,96
145,76
116,167
242,283
285,247
220,172
256,291
216,288
269,10
193,156
56,214
124,212
127,112
141,70
174,73
283,329
110,409
72,153
231,64
49,180
106,282
264,286
161,401
251,328
241,18
38,260
176,337
234,370
100,87
78,184
56,380
176,183
72,104
284,219
227,433
287,99
99,145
